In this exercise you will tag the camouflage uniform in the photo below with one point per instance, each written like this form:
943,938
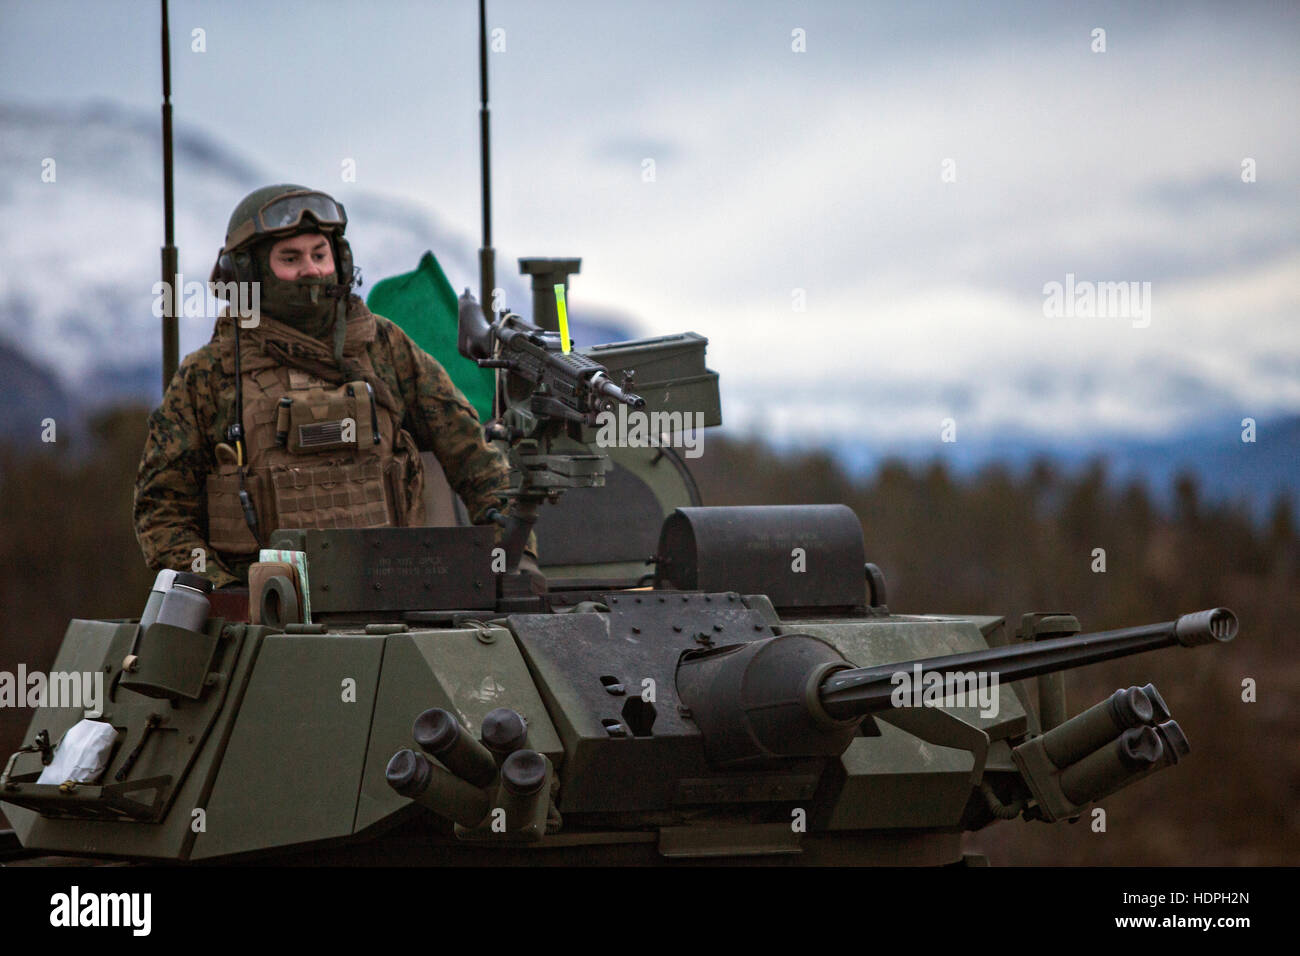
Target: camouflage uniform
180,452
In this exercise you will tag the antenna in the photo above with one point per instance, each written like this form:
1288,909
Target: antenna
486,255
170,338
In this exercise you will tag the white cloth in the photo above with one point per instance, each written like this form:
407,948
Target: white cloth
83,753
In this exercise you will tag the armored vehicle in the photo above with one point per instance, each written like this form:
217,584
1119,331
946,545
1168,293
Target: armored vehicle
692,682
686,683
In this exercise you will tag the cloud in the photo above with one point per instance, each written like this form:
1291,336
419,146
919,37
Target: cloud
631,150
820,172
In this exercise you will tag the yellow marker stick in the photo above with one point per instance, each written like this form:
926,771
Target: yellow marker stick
564,317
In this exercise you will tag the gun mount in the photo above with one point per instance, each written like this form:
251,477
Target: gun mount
556,397
548,387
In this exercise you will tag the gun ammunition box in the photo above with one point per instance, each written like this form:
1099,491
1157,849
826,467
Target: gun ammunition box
669,374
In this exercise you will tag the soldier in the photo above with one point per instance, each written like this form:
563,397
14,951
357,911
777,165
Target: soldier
336,404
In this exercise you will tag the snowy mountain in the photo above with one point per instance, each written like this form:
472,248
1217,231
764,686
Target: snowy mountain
81,200
81,204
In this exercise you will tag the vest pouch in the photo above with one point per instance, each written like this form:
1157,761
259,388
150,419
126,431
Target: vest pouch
394,474
350,494
405,473
227,530
335,419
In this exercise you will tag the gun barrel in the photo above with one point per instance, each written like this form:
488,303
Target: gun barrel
601,384
864,690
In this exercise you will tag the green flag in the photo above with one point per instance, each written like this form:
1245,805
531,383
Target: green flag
423,304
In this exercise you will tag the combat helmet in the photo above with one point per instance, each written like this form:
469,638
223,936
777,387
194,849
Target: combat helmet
276,212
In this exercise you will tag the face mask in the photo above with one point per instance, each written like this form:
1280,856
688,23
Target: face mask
302,303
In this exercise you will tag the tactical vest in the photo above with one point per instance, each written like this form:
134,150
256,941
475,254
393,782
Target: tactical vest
318,456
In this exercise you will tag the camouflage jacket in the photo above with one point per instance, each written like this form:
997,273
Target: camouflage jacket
180,451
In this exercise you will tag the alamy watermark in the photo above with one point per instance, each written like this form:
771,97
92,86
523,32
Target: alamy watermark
190,300
80,689
636,429
922,688
1085,299
76,908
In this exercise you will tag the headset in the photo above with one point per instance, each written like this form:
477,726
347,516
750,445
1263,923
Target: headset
239,265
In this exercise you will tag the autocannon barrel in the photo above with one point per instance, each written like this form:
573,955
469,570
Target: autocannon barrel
859,691
794,695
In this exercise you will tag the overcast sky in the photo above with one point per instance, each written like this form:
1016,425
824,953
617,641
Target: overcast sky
810,179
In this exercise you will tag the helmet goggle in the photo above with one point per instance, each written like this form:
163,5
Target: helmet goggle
286,212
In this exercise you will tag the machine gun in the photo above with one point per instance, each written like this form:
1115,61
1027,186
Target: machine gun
548,389
559,384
